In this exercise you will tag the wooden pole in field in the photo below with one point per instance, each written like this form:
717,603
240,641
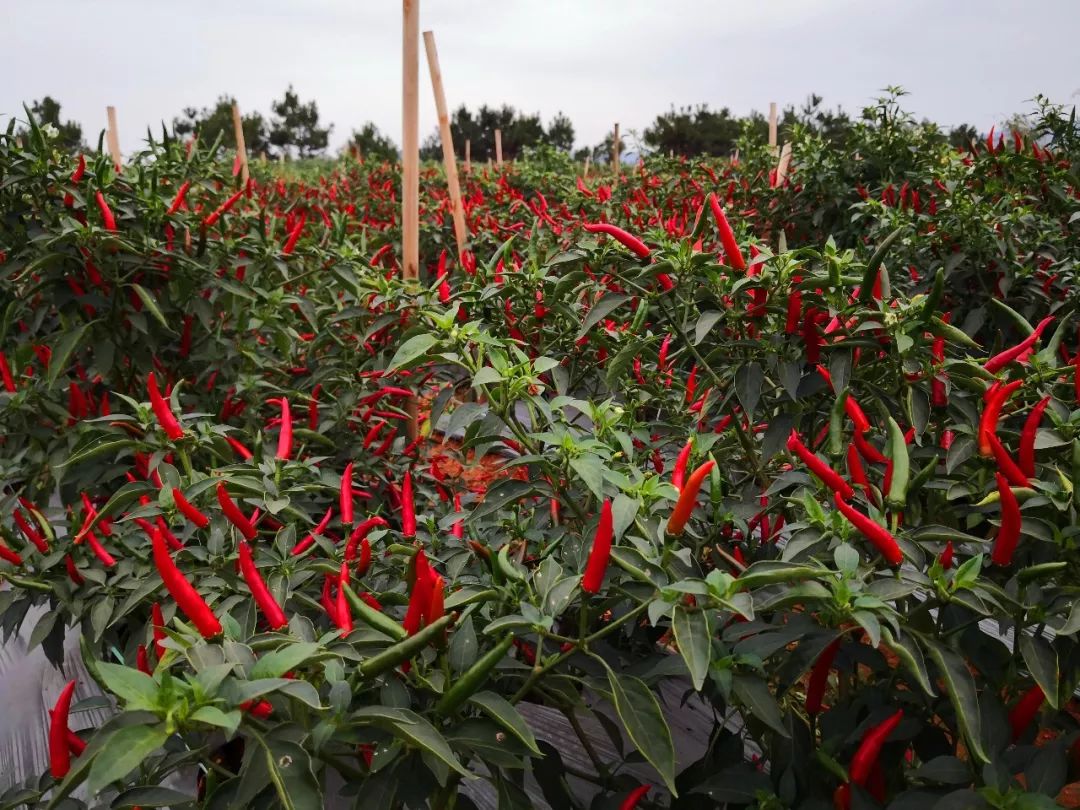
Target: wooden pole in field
241,147
772,126
468,155
588,160
410,159
498,148
783,165
615,150
449,158
113,139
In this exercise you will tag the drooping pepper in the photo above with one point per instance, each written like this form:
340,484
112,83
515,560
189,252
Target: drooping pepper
32,534
600,553
359,536
873,531
59,753
819,677
187,598
1002,359
1027,437
178,200
995,398
1008,535
5,375
309,541
684,506
275,616
189,510
1005,463
233,514
1021,715
826,474
625,239
734,255
285,435
635,796
8,555
408,511
294,236
866,755
678,475
107,218
345,495
165,417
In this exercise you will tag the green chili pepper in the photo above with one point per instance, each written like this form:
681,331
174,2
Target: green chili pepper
404,650
1050,350
372,617
950,332
933,299
512,571
474,677
836,426
1044,569
639,317
1076,472
627,566
923,475
898,452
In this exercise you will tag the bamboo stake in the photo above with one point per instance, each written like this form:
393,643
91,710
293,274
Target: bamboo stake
113,138
468,156
410,158
615,150
498,148
241,146
449,158
588,160
783,165
772,126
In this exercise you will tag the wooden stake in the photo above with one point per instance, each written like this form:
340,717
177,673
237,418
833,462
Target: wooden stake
783,165
588,160
410,159
772,126
468,155
449,158
241,147
615,150
113,139
498,148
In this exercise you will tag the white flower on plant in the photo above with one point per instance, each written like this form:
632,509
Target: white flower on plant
49,131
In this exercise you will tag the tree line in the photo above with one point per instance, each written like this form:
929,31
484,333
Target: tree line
293,129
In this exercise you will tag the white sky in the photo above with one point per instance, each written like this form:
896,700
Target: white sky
599,61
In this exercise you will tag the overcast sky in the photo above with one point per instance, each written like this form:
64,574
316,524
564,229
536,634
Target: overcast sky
599,61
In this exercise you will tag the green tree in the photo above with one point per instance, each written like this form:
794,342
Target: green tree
217,121
47,111
560,133
519,132
295,126
373,145
694,131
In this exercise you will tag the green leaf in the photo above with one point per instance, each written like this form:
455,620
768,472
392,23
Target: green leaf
644,721
62,351
502,711
486,376
591,471
753,692
705,324
289,767
908,651
695,643
960,686
110,447
411,350
151,305
277,663
415,730
623,511
213,716
137,689
124,752
748,380
151,797
600,310
1042,661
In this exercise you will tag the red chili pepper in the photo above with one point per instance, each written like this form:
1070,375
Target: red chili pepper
678,475
233,514
5,375
619,235
794,311
73,572
857,472
313,409
458,529
359,535
178,200
1021,715
635,796
866,755
1027,437
811,335
185,336
142,660
419,595
157,625
344,612
1008,535
189,510
80,170
819,468
32,534
877,534
995,398
309,541
345,495
241,451
819,677
294,236
187,598
408,511
372,433
946,556
59,754
684,506
691,384
600,554
223,208
285,436
999,361
275,616
107,217
165,417
8,555
436,600
1005,463
106,558
727,235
